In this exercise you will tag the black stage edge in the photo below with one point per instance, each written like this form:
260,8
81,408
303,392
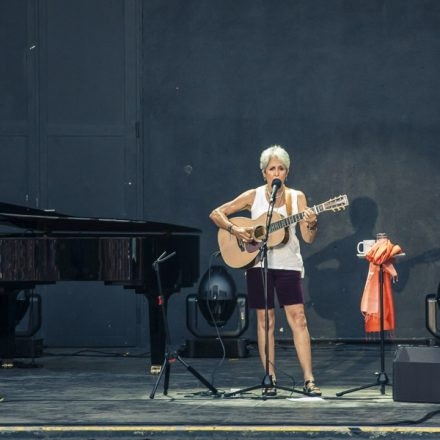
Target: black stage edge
217,432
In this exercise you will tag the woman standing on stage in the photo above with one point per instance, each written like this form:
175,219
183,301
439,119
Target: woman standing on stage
285,265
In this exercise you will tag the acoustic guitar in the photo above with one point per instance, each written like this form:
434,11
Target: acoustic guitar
239,254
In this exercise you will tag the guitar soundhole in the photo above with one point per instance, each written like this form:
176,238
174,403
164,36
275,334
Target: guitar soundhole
259,232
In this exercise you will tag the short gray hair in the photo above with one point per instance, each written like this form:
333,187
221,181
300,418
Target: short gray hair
274,150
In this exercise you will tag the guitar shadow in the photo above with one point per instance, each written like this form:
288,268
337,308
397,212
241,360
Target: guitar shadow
336,276
405,265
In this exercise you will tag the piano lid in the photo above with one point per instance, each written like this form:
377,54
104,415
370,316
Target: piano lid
39,220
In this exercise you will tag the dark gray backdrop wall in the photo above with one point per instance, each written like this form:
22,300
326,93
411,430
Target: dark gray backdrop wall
69,111
351,88
18,127
89,108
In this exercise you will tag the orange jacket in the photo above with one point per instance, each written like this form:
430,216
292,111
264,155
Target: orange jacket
381,253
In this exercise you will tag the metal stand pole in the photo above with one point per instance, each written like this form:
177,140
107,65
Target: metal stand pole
382,377
267,382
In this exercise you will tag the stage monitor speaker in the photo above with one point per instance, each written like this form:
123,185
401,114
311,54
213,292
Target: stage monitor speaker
416,374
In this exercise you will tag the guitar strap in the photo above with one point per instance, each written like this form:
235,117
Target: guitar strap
288,202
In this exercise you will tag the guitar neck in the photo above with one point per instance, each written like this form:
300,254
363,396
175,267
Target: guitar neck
295,218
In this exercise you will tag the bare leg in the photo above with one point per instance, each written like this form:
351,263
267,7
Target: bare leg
262,339
301,337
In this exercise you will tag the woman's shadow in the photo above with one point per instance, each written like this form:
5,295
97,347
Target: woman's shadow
337,276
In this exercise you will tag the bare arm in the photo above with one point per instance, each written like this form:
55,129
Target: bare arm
220,215
308,226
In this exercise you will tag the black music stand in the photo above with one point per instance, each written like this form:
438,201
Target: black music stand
267,382
382,377
171,356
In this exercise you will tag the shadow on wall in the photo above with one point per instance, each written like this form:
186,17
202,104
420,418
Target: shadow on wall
337,276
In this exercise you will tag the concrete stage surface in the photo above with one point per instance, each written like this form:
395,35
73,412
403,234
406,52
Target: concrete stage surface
105,394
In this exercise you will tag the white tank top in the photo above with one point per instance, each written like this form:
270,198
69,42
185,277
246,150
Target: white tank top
284,256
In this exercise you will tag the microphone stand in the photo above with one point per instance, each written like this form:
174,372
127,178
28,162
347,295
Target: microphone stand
382,377
267,382
170,355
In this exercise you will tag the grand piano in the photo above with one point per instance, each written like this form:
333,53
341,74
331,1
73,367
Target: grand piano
52,247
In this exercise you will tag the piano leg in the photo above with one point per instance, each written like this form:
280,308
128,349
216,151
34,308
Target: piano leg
157,333
8,301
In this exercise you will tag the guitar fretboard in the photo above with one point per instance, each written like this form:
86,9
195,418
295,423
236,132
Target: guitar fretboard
295,218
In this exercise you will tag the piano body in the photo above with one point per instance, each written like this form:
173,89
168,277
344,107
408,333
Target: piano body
56,247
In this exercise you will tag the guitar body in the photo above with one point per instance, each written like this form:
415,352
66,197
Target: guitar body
238,254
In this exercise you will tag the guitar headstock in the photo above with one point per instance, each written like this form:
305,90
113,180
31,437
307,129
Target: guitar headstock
336,204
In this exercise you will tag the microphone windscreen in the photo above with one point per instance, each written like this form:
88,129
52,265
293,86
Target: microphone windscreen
276,182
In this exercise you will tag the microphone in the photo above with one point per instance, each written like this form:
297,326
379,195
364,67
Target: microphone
276,185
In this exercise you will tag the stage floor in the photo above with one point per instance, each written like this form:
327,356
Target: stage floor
94,395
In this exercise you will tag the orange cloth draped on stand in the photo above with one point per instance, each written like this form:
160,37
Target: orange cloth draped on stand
381,253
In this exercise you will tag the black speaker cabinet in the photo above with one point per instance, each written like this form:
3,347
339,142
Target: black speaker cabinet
416,374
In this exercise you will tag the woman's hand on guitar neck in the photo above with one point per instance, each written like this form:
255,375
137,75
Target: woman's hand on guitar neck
310,217
242,233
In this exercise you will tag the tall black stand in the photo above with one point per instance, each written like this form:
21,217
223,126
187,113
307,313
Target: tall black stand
382,377
171,356
267,382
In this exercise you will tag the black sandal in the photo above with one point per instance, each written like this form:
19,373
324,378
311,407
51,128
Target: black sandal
270,391
311,389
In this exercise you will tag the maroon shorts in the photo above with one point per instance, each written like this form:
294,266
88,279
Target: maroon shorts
286,283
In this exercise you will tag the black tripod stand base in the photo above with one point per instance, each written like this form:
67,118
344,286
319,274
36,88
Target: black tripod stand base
266,384
382,381
166,369
259,387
